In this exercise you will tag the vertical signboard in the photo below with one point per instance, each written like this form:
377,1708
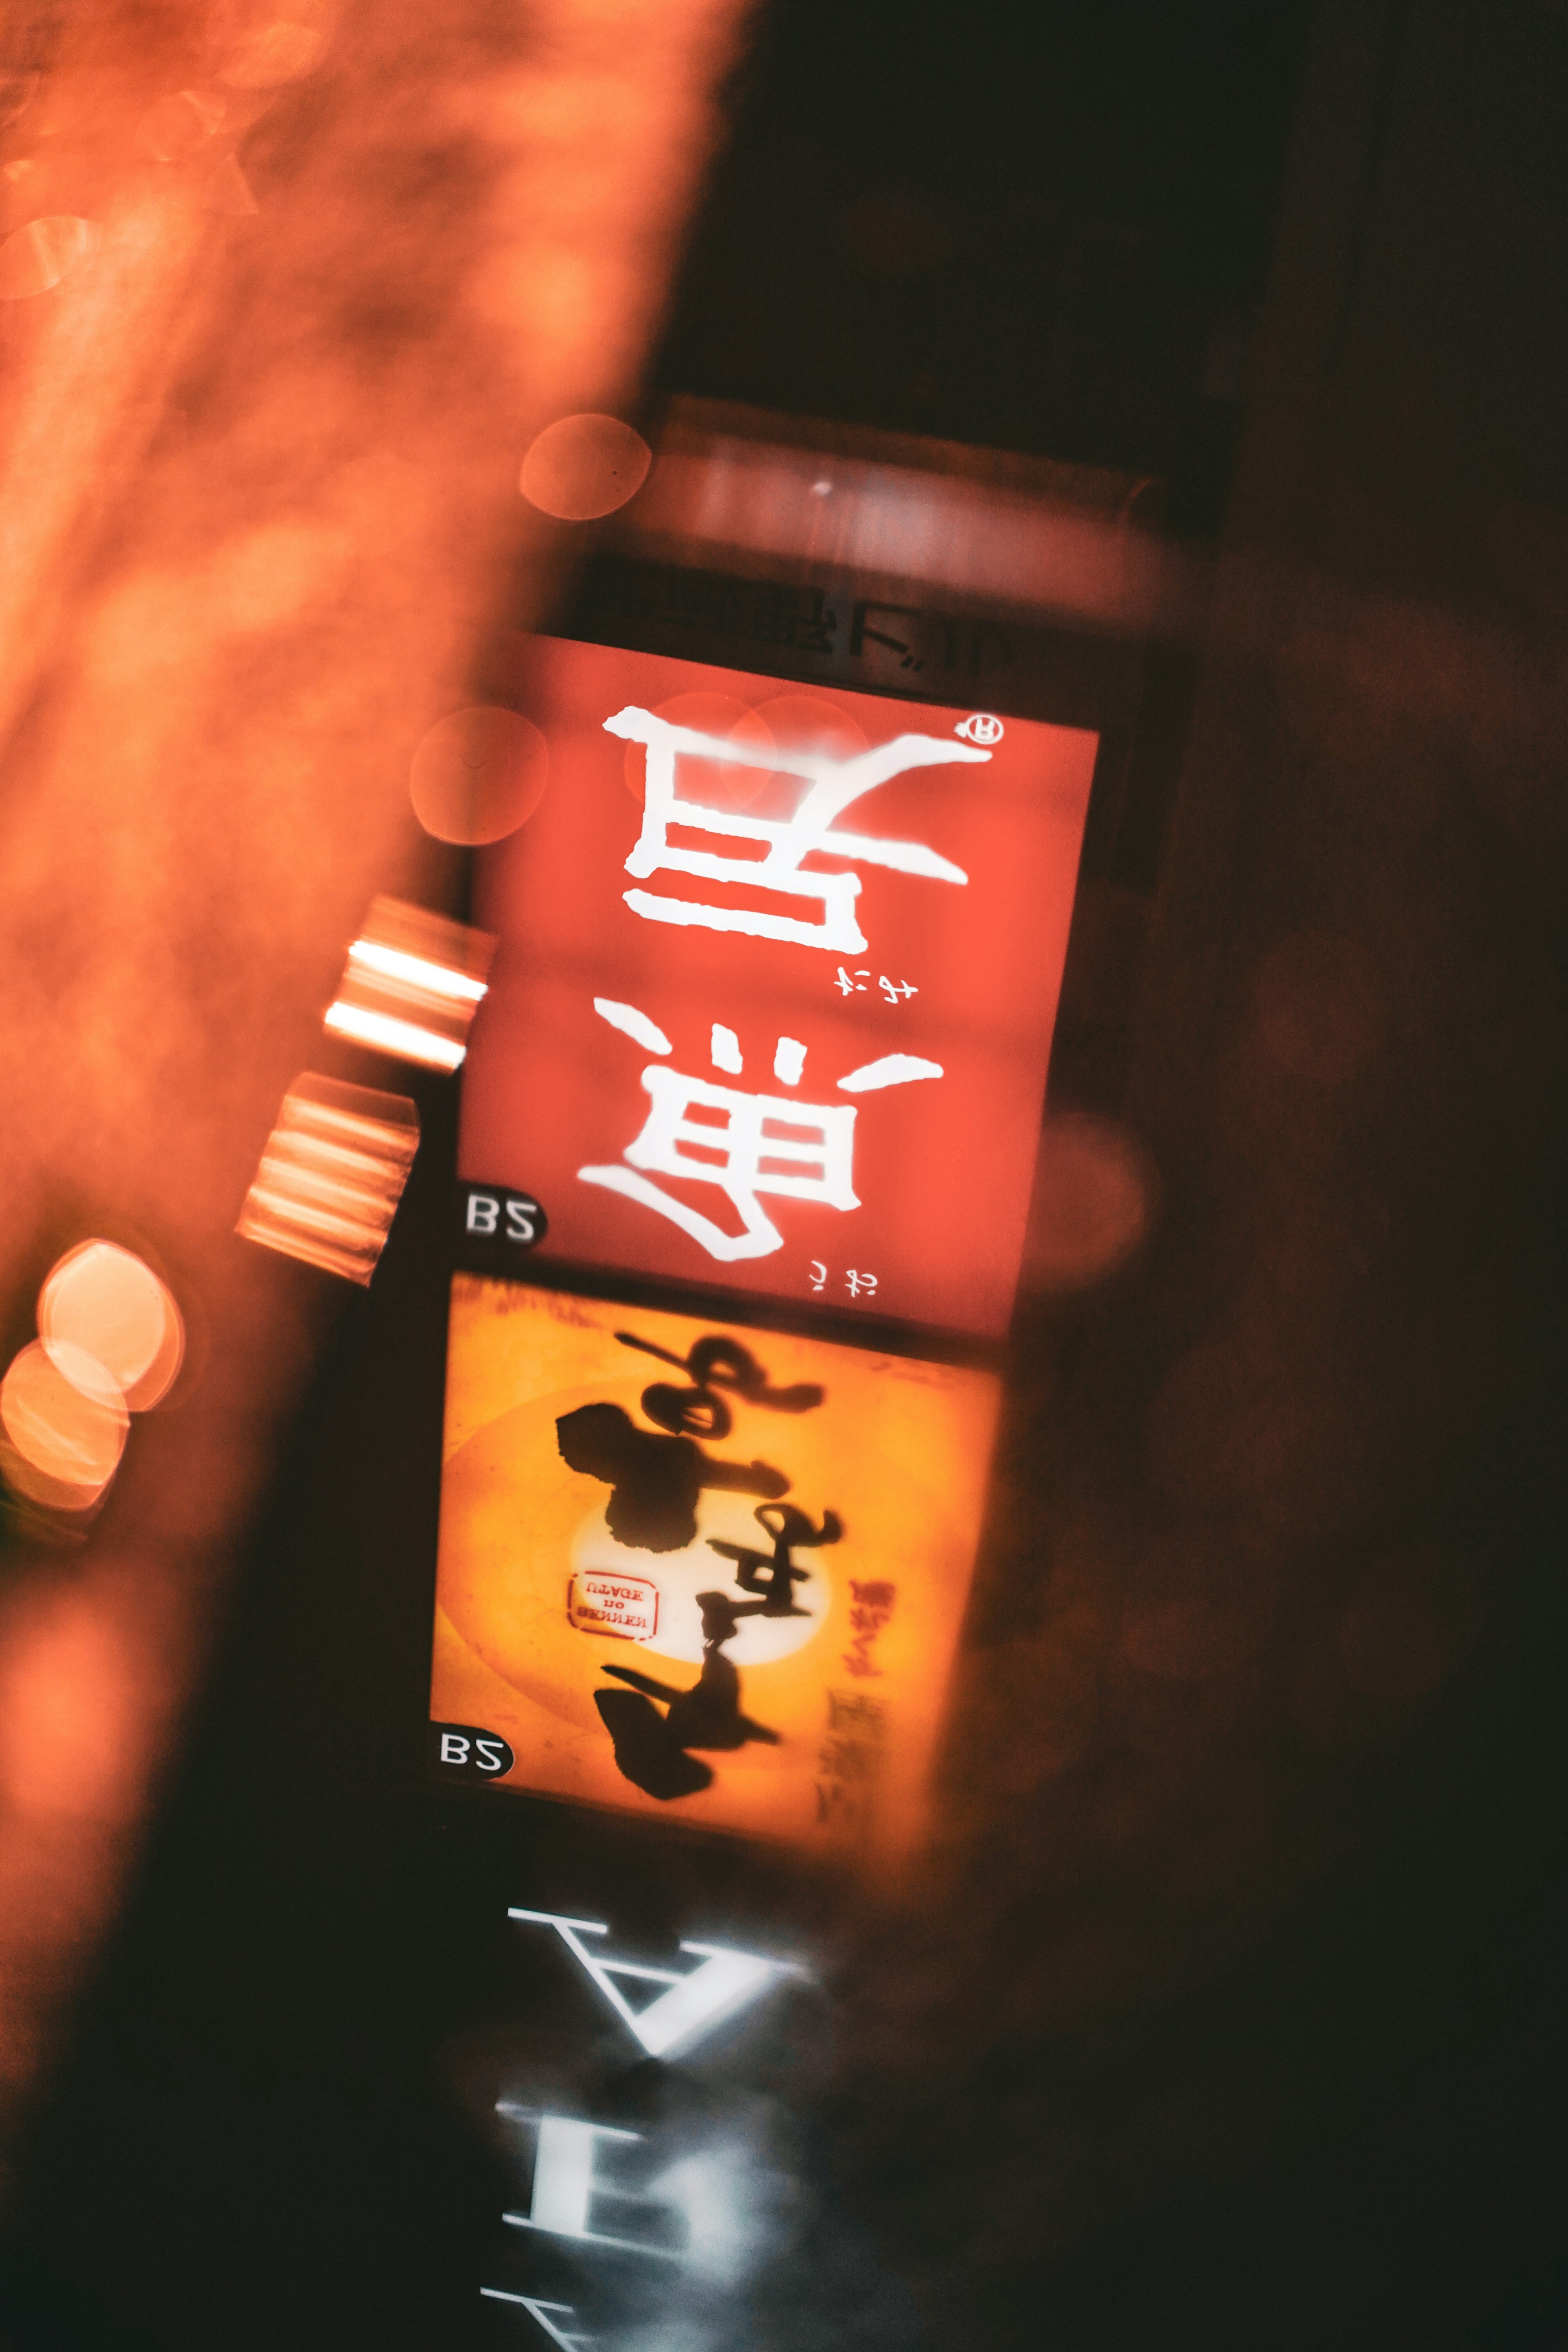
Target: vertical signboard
749,1126
770,1016
701,1573
777,974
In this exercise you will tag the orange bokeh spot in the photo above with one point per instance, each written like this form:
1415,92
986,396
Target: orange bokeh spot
1094,1199
270,54
173,127
37,256
105,1302
65,1425
478,775
737,780
584,467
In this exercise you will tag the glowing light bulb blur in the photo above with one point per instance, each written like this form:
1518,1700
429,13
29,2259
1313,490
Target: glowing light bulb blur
107,1302
65,1425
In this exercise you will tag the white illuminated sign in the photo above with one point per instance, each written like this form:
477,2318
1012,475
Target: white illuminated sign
695,2004
565,2184
582,2194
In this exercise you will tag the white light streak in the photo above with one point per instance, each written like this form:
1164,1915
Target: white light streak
892,1070
438,978
387,1035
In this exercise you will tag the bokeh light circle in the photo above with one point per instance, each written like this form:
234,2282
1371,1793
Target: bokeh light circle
737,780
270,54
1095,1196
38,256
105,1303
65,1420
478,775
807,723
584,467
174,127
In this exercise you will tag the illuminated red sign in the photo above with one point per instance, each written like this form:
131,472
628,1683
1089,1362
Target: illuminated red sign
778,978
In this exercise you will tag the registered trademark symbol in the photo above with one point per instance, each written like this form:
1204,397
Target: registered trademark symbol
981,727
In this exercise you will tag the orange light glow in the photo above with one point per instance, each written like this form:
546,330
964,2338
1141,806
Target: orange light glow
105,1300
417,970
65,1425
269,54
256,518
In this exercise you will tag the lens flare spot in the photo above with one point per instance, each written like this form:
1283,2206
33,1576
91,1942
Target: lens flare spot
174,127
272,54
41,255
104,1302
65,1422
1094,1203
584,467
807,722
478,775
1318,1008
737,780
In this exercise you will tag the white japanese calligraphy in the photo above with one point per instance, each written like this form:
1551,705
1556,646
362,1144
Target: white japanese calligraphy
745,1144
830,785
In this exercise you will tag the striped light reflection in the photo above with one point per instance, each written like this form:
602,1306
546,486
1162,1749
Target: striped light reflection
411,985
331,1175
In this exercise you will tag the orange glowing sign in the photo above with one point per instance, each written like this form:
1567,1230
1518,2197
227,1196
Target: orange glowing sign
700,1573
